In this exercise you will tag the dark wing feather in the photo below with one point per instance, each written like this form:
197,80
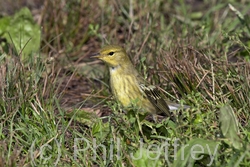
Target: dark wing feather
156,99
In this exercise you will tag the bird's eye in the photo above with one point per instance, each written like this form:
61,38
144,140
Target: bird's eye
111,53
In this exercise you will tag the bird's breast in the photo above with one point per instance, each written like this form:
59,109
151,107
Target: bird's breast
126,90
124,87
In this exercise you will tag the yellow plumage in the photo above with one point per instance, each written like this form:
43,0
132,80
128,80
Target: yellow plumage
128,86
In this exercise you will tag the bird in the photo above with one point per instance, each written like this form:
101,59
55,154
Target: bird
128,86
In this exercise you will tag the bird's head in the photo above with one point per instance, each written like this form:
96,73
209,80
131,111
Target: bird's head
113,56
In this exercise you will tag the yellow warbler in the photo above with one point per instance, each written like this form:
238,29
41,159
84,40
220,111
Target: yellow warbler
128,85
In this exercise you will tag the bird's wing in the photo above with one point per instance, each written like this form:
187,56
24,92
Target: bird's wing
156,99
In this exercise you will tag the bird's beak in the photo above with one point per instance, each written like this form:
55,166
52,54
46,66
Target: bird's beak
96,55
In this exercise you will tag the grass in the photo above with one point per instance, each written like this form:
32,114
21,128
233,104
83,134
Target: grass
56,108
